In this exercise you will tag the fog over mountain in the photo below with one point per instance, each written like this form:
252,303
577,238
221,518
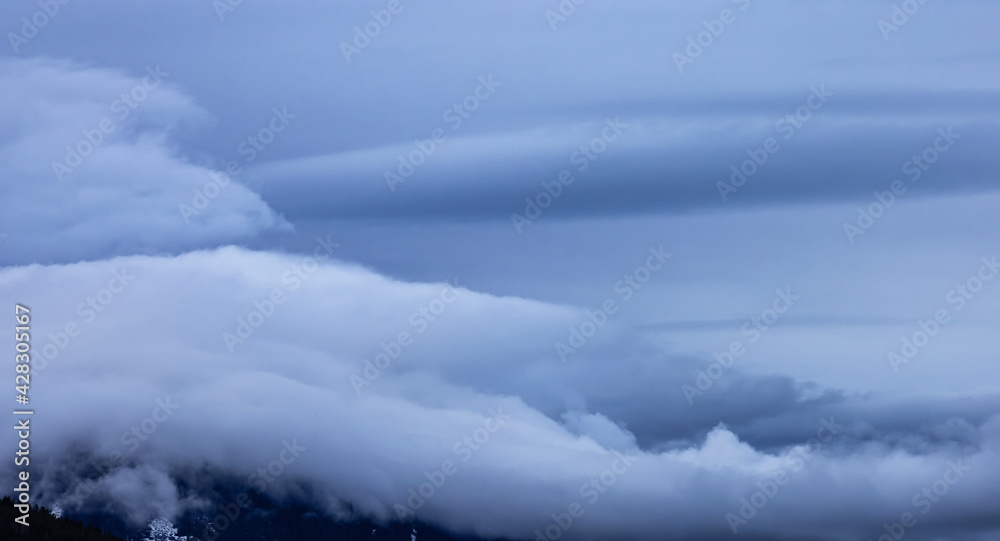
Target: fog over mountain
563,270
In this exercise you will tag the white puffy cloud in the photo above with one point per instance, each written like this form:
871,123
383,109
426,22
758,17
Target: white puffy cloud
154,357
90,169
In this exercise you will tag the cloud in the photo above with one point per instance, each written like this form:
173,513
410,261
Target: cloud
687,129
290,382
162,374
91,169
690,161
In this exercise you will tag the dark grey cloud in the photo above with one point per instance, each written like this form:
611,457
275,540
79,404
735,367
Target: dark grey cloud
672,164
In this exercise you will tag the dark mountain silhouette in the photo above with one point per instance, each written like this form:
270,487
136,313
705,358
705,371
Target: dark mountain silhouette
45,527
262,520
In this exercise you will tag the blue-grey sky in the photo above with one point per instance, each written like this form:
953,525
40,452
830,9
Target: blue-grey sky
811,186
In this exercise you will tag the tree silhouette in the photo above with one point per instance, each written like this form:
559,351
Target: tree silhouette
45,526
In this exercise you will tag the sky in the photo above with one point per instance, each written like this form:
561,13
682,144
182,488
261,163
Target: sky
636,270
